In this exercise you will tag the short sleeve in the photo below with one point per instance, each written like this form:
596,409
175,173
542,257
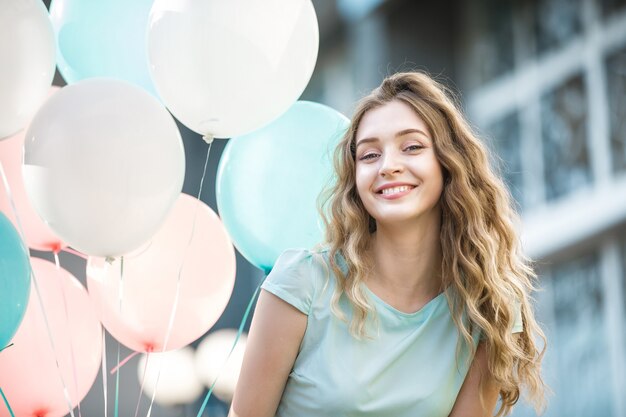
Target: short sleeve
292,279
518,324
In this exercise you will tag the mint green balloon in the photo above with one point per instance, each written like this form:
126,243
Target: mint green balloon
102,38
14,280
268,182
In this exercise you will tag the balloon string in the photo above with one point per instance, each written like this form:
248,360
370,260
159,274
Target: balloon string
169,328
119,365
117,383
206,163
6,347
143,380
75,252
67,318
170,325
6,402
239,332
117,374
35,282
104,371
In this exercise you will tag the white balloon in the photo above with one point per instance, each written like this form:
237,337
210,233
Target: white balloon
103,165
178,383
27,53
228,67
211,360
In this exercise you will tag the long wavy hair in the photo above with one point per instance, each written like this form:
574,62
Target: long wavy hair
482,260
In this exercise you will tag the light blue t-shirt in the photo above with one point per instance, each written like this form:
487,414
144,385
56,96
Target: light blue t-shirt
407,370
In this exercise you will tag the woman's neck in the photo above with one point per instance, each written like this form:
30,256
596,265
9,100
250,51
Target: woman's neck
406,261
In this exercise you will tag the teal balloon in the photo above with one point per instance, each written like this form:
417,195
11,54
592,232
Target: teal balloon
268,182
102,38
14,280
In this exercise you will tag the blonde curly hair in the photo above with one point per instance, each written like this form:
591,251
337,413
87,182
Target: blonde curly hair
482,259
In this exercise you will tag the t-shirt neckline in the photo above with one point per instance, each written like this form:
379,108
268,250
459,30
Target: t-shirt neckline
425,308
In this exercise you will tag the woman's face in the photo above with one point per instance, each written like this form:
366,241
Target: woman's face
398,176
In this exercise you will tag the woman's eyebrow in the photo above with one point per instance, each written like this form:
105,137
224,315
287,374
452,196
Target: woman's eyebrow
397,135
366,140
412,130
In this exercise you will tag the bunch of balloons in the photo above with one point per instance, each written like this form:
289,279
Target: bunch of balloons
98,166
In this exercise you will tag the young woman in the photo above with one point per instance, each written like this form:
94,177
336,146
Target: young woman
420,304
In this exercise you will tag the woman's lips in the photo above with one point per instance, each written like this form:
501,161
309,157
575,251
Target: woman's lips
393,193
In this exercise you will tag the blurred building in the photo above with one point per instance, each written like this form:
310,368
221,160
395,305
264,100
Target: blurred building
544,81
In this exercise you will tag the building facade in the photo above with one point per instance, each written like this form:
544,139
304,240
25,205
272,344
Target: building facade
544,82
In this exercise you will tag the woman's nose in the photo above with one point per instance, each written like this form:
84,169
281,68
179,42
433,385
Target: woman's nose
391,165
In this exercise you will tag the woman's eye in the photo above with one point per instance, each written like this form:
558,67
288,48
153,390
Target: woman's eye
413,148
368,156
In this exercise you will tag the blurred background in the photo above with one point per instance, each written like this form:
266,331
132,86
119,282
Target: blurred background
544,82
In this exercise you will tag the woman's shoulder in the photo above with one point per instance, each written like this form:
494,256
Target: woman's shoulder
298,276
301,258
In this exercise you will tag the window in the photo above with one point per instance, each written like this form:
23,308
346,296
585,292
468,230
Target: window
609,7
505,142
556,23
564,130
616,92
490,51
579,342
623,260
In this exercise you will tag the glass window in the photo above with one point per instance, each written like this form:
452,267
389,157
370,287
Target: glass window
616,92
579,340
505,142
490,51
623,256
556,23
609,7
564,133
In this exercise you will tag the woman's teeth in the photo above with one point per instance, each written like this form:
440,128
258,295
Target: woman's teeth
395,190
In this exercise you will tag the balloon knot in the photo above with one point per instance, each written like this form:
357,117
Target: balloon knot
208,138
56,248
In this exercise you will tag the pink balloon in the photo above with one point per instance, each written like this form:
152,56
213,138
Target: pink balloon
29,375
38,234
147,286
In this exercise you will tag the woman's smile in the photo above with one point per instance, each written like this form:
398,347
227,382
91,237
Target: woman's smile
393,192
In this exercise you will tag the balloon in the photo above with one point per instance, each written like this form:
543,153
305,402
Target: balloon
29,375
14,280
103,165
28,54
268,182
211,361
36,233
148,283
177,384
228,67
102,39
